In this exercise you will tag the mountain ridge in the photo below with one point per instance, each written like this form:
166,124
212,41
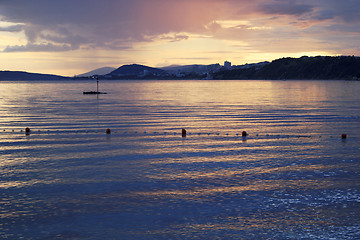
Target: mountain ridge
134,69
303,68
22,75
98,71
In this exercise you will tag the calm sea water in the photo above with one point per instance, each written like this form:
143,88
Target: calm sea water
293,177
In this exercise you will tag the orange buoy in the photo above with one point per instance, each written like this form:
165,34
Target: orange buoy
244,134
27,131
343,136
108,131
183,132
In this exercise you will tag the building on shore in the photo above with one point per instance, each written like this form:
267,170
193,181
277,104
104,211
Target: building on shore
227,65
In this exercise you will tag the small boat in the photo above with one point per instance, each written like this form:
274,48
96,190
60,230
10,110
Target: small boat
94,92
97,89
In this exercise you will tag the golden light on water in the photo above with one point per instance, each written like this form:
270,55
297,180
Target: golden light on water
292,175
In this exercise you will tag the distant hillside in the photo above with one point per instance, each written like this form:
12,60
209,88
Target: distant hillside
185,68
18,75
171,67
99,71
136,71
317,68
194,68
304,68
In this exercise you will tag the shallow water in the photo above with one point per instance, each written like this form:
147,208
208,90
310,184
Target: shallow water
293,177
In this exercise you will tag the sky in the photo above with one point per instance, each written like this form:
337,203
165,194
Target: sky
70,37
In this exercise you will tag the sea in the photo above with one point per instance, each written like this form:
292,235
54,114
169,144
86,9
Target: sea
116,165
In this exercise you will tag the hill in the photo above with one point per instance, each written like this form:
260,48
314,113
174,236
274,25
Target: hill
19,75
185,68
136,71
194,68
307,68
99,71
304,68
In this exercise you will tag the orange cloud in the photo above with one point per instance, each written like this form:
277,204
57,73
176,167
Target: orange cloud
131,28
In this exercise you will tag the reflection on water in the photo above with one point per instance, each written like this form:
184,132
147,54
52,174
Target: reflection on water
291,178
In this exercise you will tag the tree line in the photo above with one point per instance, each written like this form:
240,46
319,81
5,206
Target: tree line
304,68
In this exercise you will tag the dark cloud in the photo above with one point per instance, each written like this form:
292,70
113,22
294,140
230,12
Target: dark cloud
118,24
105,23
40,12
345,11
71,23
38,48
13,28
285,7
323,15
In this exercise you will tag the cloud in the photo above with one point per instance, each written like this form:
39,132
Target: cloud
38,48
174,37
121,24
345,10
13,28
106,23
285,7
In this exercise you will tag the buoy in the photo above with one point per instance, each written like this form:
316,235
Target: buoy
183,132
244,134
27,131
108,131
343,136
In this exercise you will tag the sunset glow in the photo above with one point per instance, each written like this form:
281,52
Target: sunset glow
71,37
